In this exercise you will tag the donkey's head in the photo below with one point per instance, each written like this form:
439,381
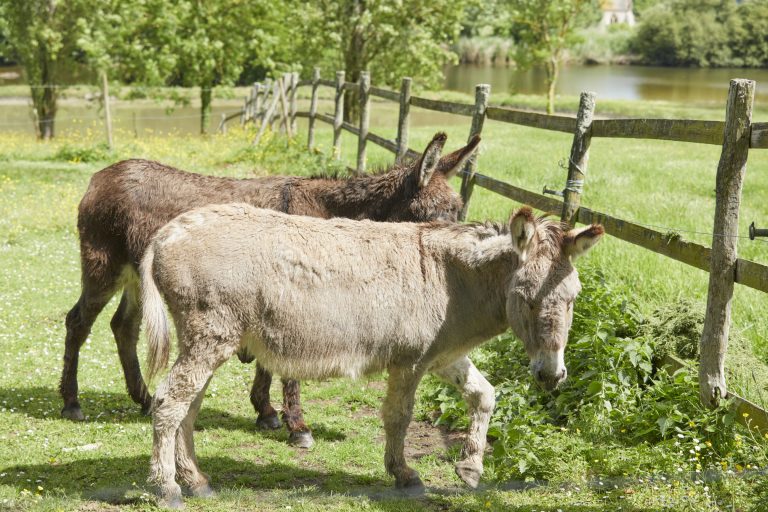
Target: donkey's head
543,287
428,195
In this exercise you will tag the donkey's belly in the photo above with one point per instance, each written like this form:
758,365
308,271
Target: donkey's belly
289,358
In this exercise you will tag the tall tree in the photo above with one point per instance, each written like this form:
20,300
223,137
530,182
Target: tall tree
41,36
544,30
389,38
191,43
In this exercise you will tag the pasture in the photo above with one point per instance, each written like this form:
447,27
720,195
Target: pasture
605,442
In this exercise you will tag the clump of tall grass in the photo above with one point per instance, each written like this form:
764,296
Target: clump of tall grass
485,50
603,45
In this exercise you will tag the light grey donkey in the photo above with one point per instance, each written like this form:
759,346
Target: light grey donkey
316,298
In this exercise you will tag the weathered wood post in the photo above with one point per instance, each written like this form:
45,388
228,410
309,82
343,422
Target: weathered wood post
730,177
107,113
256,101
269,112
244,111
579,158
482,91
285,117
313,109
338,117
294,99
365,88
403,120
265,96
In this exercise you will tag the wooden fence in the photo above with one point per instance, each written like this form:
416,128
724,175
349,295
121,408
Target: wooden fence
737,135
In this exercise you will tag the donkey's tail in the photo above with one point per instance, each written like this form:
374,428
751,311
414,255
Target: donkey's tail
155,318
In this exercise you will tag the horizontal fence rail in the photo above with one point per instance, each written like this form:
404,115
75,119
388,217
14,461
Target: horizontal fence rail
759,138
682,130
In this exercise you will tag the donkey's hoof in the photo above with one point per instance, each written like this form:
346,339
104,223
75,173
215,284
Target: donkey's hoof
72,412
203,491
469,473
171,502
268,422
410,484
301,439
245,356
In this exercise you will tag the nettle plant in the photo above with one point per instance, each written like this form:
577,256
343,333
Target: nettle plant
619,412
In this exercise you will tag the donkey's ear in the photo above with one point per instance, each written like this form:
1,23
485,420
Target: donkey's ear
522,226
452,163
579,241
430,158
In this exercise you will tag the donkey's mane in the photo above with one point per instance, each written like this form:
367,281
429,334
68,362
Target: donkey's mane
337,175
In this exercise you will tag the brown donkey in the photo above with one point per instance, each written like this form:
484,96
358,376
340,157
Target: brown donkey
127,203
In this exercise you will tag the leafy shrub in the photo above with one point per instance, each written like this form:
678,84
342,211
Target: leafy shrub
91,153
619,411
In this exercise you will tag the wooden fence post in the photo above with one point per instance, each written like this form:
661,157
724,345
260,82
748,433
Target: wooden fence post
482,91
294,99
365,87
107,113
579,157
285,118
265,97
256,101
338,118
313,109
403,120
730,176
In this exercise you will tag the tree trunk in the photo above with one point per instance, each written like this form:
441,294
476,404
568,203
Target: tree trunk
553,70
44,95
206,93
354,62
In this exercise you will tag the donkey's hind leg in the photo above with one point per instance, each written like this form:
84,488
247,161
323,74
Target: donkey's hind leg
125,326
172,403
299,433
186,460
479,395
99,284
266,414
396,413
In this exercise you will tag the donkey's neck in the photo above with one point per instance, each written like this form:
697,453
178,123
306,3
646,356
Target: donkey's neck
482,262
370,197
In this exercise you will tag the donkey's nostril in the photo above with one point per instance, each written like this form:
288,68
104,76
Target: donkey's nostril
563,374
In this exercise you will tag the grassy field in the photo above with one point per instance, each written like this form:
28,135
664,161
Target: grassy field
101,464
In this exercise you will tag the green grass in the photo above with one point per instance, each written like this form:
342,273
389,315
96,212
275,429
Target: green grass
50,464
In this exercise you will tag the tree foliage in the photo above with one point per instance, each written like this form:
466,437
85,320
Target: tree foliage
391,39
42,36
704,33
544,30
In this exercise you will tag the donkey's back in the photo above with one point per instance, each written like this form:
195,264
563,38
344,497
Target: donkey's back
127,202
310,298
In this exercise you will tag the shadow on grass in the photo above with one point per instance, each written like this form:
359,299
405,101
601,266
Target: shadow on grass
122,481
106,407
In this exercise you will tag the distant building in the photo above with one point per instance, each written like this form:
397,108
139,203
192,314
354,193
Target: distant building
617,11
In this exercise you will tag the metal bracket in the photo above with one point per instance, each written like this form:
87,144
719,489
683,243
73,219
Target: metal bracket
552,192
753,231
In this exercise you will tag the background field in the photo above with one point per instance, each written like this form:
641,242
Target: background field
101,464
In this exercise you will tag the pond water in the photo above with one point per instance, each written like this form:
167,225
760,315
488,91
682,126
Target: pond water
612,82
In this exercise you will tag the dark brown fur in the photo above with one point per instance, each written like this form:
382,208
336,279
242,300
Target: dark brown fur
127,202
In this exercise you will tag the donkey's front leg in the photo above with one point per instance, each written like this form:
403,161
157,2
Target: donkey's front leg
396,413
299,433
479,395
